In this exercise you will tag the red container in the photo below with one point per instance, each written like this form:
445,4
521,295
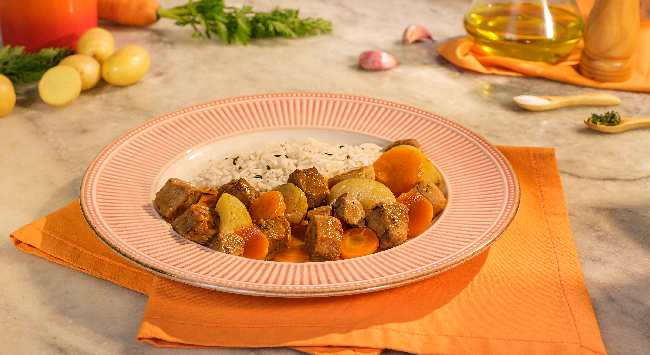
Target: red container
36,24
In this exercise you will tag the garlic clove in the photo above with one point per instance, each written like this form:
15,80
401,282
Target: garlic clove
416,33
377,60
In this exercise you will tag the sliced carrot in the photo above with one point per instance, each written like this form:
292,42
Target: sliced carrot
294,254
358,242
268,205
256,245
400,168
420,212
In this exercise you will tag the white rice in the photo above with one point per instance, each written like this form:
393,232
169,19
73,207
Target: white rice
270,166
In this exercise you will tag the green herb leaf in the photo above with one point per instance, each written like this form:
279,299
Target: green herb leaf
21,67
609,118
235,25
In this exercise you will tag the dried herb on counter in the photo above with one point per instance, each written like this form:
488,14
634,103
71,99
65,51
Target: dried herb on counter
21,67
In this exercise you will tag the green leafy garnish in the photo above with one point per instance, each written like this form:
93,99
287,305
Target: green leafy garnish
21,67
211,18
609,118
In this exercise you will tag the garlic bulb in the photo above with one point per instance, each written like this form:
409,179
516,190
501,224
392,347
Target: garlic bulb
377,60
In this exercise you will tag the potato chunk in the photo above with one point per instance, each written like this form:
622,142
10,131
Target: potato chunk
364,172
232,213
296,202
369,192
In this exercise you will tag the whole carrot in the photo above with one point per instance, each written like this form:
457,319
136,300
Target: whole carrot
128,12
213,19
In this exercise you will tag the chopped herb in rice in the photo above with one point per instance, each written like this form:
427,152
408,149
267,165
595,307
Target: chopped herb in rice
270,165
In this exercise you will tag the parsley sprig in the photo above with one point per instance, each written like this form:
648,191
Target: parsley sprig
21,67
233,25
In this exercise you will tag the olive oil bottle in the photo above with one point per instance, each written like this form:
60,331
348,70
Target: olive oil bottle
543,30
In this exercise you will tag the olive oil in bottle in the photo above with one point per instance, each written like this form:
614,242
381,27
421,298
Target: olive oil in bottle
536,31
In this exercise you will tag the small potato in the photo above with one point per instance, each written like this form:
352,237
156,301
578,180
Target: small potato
88,68
126,66
60,85
96,42
7,96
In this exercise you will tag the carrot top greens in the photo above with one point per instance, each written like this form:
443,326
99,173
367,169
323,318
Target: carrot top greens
233,25
21,67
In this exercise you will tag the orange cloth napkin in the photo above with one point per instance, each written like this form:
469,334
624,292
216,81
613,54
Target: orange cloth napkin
462,53
525,295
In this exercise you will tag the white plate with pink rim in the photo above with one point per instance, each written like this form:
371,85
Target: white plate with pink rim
119,186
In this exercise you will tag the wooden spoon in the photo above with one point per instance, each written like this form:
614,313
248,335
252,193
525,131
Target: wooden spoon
544,103
627,123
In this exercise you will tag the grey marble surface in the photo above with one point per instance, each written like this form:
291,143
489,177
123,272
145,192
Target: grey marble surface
45,308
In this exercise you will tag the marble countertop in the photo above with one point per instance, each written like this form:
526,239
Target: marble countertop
44,151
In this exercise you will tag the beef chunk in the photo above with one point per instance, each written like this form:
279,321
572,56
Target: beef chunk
434,195
299,231
174,198
319,211
208,200
197,224
410,141
312,183
229,243
241,189
349,210
324,237
390,221
278,232
364,172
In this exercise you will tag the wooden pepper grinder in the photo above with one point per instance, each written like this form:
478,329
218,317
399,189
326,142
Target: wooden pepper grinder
611,37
